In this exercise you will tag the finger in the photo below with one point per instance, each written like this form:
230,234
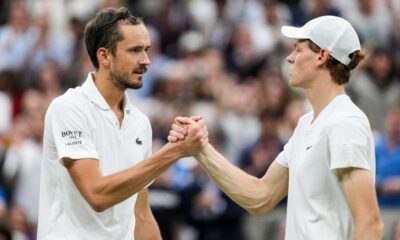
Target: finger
201,122
183,120
176,134
180,129
172,139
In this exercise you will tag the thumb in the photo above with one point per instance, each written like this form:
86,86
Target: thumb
183,120
196,118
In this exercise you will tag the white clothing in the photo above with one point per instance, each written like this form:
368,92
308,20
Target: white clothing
80,124
340,137
22,162
5,113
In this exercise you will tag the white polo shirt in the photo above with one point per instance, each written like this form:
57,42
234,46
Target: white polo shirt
80,124
340,137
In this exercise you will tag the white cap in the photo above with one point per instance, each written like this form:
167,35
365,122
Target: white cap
330,32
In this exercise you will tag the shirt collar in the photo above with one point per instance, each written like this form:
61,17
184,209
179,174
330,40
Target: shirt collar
92,93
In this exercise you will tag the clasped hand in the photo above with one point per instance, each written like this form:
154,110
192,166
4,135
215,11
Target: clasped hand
191,133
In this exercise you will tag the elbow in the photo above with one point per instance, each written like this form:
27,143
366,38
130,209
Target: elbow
260,206
373,225
97,203
98,207
377,225
256,212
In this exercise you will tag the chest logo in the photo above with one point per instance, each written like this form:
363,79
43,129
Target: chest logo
308,147
138,141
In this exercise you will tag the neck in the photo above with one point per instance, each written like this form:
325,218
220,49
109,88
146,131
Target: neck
322,92
105,85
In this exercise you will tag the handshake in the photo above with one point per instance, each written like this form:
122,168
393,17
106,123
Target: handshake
189,134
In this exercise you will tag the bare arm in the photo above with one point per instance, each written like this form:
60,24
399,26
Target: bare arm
146,226
257,196
102,192
360,193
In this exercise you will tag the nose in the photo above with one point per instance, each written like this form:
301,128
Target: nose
290,58
145,60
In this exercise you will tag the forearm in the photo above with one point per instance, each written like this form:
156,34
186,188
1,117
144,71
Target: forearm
147,229
112,189
246,190
146,226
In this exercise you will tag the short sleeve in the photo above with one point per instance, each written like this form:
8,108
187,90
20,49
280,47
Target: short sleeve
350,145
284,156
70,130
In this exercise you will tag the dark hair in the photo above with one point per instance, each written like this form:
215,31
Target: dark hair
340,73
102,31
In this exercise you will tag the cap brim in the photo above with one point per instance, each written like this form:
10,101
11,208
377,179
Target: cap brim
293,32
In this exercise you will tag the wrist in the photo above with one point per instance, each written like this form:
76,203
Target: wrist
202,155
174,150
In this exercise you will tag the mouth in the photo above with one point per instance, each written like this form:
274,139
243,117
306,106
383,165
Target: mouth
140,70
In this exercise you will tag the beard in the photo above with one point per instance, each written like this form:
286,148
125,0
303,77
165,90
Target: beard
122,82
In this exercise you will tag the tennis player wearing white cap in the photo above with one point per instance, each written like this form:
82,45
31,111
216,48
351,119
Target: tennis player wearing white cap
327,168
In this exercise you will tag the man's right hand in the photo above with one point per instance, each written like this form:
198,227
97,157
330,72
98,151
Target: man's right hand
179,128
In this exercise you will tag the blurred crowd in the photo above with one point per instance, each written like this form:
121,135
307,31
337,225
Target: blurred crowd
222,59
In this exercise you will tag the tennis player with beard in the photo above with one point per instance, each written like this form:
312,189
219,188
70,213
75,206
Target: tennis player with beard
97,159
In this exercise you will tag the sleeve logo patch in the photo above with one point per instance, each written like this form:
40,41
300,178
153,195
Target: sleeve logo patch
71,137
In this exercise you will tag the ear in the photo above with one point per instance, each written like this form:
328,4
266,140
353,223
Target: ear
323,57
103,55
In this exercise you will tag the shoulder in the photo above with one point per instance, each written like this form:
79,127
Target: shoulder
349,124
72,104
348,114
72,99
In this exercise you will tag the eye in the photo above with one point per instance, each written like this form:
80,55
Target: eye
136,50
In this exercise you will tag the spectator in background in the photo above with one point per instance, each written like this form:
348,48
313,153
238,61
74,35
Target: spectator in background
22,167
48,80
209,211
75,71
47,47
372,20
238,120
388,170
16,38
241,55
296,108
375,88
274,92
309,9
